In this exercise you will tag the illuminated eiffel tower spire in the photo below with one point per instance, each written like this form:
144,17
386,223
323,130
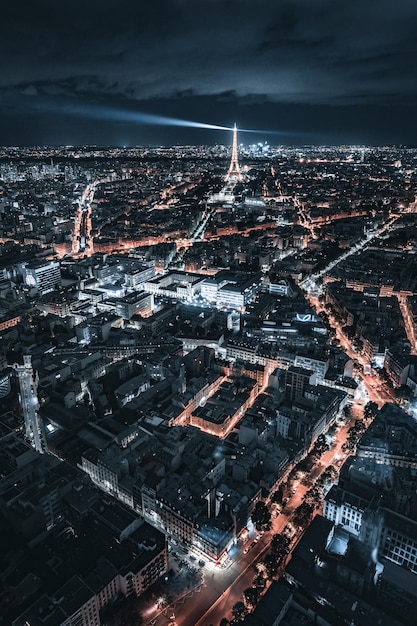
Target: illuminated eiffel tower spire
234,172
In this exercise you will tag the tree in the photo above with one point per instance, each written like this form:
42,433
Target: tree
404,392
359,427
261,517
358,343
251,596
313,496
329,474
358,366
259,581
277,495
129,614
285,488
293,475
280,544
303,514
349,332
272,564
305,465
239,611
347,411
370,410
320,446
347,447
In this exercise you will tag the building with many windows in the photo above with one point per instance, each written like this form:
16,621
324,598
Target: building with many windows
44,276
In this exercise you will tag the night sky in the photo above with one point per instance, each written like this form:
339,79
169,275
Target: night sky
307,71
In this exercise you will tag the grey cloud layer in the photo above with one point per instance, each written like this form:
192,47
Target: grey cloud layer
303,51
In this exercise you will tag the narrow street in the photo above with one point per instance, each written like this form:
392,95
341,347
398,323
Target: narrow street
223,586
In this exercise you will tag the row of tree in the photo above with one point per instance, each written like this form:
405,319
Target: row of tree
269,568
355,432
266,570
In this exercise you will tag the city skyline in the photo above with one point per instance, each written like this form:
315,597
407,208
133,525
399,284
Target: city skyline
218,389
208,313
306,73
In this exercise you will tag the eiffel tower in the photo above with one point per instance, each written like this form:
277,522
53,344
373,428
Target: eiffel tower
234,173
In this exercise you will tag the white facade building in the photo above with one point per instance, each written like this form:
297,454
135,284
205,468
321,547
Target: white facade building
42,276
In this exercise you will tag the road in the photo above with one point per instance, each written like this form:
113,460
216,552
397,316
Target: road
82,242
218,598
224,586
222,607
196,235
376,389
309,283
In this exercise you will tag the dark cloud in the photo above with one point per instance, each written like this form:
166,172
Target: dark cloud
308,53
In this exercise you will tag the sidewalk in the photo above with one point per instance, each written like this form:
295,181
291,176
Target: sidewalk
182,582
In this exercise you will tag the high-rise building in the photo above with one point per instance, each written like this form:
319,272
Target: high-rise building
28,385
43,275
297,380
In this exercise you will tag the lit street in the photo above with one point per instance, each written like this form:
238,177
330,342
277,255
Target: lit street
223,586
208,313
